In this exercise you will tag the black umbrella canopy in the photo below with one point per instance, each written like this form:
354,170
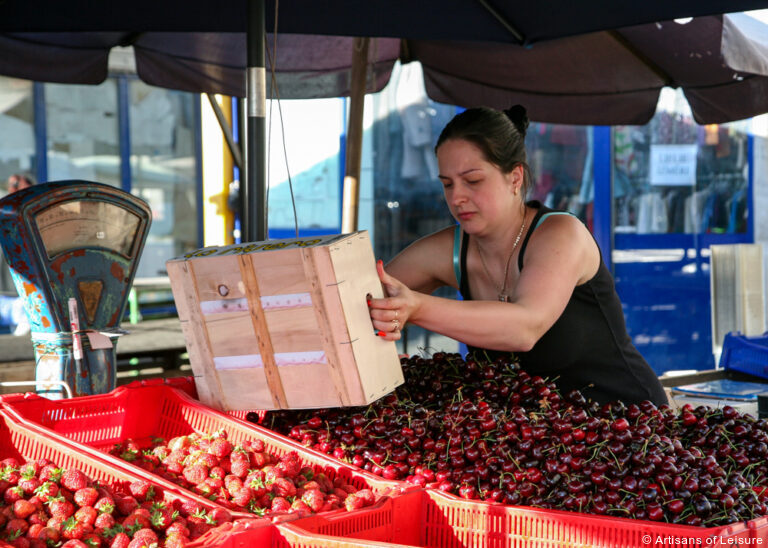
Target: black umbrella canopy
602,78
478,20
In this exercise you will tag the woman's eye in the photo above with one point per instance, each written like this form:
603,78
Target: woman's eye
473,182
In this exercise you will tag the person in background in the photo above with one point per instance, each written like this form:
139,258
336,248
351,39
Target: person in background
12,307
532,279
19,181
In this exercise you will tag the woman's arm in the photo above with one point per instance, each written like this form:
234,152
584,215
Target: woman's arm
560,255
427,263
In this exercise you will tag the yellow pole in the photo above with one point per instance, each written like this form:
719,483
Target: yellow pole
218,219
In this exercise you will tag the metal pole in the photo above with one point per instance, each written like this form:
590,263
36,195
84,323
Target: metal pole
254,214
359,78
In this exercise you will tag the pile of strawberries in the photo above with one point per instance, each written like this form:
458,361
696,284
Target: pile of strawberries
42,505
244,477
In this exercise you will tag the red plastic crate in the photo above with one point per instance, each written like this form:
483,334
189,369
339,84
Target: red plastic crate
21,442
142,412
187,384
431,518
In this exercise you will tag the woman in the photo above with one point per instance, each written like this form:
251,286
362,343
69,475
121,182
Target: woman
533,280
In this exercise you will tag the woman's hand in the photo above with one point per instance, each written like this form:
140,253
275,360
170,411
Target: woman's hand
390,313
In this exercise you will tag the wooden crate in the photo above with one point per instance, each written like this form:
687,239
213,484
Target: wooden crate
283,324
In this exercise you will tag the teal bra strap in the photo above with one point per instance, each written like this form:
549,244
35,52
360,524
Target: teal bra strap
456,254
551,213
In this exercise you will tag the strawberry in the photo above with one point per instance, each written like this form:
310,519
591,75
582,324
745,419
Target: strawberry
311,485
161,518
87,496
147,536
239,463
23,508
217,472
105,505
195,473
10,461
27,480
59,507
86,515
353,502
126,504
104,522
50,472
233,484
20,542
120,540
217,516
367,496
12,494
16,526
298,506
220,447
178,527
280,504
289,464
174,462
142,490
208,460
243,497
176,540
314,499
74,479
50,535
136,519
259,460
55,522
10,474
189,507
271,473
39,517
284,487
180,443
257,446
72,529
47,490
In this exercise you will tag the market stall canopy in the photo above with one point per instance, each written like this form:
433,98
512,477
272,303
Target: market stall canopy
539,57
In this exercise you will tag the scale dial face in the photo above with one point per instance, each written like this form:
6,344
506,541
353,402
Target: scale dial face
78,224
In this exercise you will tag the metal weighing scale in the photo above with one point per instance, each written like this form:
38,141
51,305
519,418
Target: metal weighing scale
73,248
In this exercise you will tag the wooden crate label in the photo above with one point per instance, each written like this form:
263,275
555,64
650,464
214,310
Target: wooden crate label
223,306
282,359
269,302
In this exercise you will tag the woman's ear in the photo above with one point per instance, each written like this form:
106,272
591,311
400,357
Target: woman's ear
515,179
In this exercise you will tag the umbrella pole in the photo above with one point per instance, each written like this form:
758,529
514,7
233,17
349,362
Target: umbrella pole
359,78
254,202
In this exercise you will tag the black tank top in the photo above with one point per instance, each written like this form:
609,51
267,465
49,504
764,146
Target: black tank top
588,347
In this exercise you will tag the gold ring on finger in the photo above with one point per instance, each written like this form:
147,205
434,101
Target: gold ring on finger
396,324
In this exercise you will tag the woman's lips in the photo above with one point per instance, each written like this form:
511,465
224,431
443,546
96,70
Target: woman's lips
463,216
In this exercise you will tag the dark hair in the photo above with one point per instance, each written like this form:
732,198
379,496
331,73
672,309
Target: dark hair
499,135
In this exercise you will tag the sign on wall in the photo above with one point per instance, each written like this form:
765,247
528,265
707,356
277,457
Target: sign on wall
673,165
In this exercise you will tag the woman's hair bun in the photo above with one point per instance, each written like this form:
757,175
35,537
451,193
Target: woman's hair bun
519,116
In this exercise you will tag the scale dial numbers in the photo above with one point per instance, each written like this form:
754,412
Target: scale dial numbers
78,224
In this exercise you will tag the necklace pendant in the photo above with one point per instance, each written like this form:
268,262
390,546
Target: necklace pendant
503,297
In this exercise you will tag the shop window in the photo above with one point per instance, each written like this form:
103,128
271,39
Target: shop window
83,132
17,145
560,157
163,171
304,167
674,176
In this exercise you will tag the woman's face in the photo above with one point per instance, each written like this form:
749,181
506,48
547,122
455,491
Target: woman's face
479,195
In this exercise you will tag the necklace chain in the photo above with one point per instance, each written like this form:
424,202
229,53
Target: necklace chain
503,297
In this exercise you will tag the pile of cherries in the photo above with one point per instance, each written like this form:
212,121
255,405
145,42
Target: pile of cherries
484,429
